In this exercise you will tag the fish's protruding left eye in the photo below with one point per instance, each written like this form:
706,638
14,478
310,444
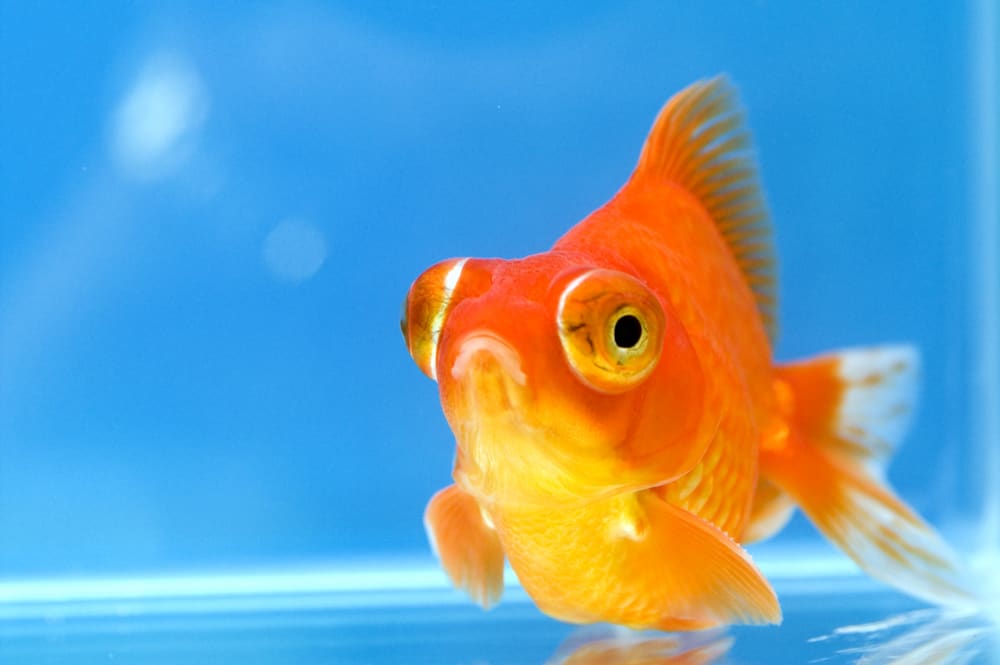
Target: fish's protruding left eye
611,329
429,301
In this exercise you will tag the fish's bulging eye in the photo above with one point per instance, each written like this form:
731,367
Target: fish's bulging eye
611,330
431,299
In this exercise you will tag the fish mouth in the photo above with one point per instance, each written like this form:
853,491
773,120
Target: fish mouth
489,410
485,352
492,382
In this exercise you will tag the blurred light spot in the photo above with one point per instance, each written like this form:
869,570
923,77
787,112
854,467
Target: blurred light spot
156,122
294,250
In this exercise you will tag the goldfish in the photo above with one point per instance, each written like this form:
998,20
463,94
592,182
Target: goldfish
622,429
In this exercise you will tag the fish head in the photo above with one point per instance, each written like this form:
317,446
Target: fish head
561,382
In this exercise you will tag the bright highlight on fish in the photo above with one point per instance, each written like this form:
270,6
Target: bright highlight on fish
622,429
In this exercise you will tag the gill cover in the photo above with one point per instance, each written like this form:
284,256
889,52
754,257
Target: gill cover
429,301
611,330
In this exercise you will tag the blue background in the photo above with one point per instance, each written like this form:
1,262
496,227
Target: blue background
174,396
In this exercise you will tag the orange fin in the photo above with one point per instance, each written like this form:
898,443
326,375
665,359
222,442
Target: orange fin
699,575
845,413
700,142
771,510
856,403
469,548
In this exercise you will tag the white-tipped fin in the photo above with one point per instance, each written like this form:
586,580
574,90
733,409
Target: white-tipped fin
880,395
845,413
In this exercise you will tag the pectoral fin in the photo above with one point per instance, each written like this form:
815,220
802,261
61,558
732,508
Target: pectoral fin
703,576
468,547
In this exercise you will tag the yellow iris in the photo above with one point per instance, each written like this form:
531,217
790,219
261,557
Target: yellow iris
611,329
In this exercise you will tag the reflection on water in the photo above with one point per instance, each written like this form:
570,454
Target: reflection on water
606,646
826,626
920,637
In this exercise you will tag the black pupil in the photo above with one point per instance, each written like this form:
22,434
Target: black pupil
628,332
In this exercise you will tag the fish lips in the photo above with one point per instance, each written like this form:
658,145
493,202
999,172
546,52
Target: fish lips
484,350
489,374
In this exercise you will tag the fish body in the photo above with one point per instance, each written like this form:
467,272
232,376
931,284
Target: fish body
621,426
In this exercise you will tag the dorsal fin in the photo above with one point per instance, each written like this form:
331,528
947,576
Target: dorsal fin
700,141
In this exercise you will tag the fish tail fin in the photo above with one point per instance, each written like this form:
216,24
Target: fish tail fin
844,414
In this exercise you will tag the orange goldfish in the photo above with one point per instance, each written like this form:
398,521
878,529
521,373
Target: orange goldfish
622,428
